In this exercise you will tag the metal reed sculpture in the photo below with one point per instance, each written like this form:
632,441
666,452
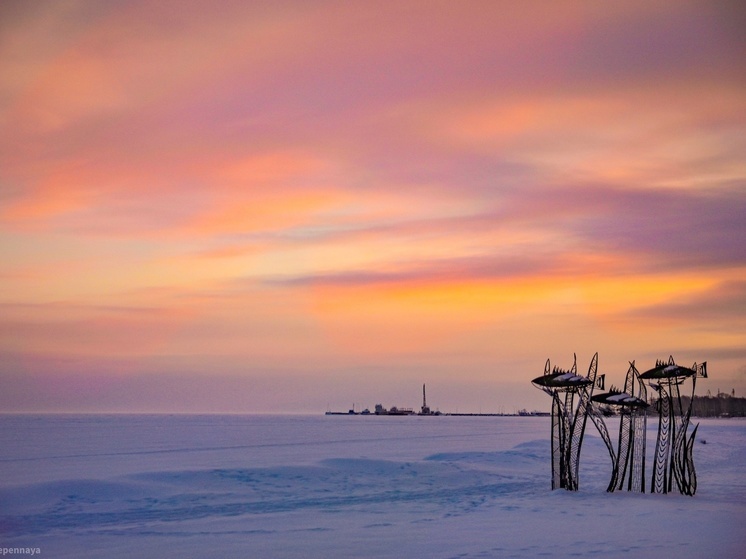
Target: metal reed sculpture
629,466
568,421
674,447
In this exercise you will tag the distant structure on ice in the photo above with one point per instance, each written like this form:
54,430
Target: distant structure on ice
425,410
393,410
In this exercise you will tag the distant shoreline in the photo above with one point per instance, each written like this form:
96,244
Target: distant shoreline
531,414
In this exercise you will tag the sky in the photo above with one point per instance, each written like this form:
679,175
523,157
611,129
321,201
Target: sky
290,206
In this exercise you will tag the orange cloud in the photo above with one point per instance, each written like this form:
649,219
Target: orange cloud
61,189
273,168
264,213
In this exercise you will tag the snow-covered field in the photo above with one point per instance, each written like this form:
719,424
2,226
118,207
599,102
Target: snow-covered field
315,486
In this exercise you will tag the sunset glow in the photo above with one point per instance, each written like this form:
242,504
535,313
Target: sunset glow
279,206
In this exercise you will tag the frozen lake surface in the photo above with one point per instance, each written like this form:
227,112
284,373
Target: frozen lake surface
111,486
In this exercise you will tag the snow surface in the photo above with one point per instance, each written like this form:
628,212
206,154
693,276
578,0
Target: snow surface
347,486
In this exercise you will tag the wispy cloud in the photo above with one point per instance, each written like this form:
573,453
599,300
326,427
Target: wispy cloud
475,269
724,304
